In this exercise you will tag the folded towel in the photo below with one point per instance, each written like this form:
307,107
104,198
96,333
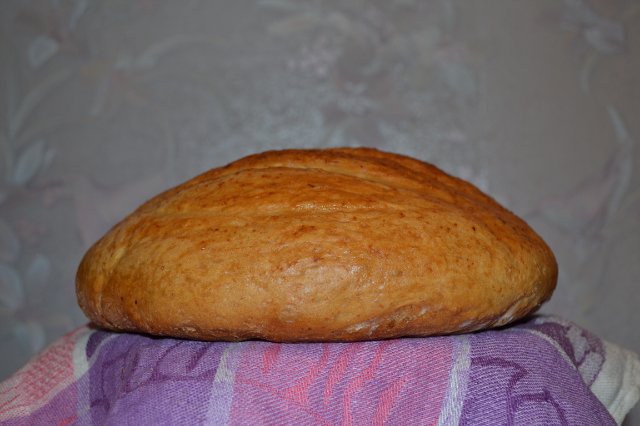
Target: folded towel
545,371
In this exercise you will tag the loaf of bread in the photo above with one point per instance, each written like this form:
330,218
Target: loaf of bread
316,245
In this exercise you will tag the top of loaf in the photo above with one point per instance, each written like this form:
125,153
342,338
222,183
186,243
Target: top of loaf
339,179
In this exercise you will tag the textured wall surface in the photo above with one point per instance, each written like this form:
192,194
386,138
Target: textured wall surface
103,104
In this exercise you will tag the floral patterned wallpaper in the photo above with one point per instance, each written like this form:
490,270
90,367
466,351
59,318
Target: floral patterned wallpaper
104,104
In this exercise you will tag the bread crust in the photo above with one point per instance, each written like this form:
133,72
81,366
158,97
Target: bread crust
339,244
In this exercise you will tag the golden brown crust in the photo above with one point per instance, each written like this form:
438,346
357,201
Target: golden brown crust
316,245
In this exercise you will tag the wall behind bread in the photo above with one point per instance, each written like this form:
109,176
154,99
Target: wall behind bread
103,104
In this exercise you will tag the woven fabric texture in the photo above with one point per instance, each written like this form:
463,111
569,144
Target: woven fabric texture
545,371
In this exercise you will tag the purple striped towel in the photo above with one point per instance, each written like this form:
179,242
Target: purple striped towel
545,371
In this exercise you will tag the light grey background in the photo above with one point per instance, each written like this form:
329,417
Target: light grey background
104,104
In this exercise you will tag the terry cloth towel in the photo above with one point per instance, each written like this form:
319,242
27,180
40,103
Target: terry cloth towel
545,371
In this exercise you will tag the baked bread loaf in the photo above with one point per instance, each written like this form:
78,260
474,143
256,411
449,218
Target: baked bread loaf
316,245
